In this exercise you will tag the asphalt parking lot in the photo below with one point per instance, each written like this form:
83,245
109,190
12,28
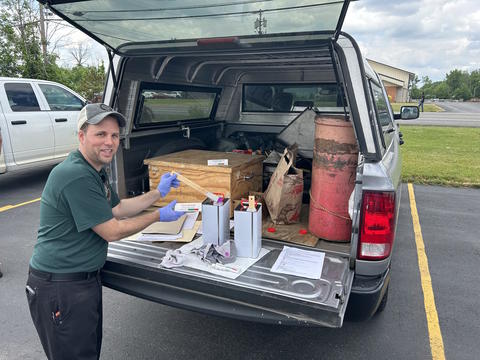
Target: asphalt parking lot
138,329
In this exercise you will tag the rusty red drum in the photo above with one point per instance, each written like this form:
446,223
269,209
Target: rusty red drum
335,158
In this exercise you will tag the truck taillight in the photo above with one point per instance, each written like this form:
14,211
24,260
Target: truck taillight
377,225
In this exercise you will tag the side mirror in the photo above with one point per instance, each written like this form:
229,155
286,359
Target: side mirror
409,112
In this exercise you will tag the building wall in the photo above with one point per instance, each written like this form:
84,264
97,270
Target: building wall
392,93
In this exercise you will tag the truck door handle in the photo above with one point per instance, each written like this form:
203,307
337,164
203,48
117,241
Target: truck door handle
61,120
19,122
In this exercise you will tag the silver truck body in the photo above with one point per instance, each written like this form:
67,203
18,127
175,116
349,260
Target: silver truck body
182,66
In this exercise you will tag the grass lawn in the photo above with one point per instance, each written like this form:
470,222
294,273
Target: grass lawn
427,107
441,155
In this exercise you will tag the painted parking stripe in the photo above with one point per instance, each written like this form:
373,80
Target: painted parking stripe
9,207
434,331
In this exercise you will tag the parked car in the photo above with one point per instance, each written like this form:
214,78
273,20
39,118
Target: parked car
241,89
169,95
149,94
38,119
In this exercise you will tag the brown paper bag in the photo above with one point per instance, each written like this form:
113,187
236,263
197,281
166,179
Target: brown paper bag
284,193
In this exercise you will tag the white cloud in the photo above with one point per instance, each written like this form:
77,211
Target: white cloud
427,37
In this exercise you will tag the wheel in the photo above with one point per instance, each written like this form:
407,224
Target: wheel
383,302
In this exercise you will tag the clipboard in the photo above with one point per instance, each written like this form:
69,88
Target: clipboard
185,236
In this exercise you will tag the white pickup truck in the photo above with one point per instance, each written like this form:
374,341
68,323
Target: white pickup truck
38,122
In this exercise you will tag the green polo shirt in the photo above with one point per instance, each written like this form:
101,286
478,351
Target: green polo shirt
74,200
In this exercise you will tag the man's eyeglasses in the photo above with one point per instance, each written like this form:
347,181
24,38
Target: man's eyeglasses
106,186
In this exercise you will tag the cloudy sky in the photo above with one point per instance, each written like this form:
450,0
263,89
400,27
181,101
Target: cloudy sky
426,37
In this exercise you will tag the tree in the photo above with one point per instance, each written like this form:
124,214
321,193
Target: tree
86,80
441,90
457,85
9,54
455,79
28,42
19,29
426,81
25,50
427,87
415,92
462,92
80,54
475,83
93,82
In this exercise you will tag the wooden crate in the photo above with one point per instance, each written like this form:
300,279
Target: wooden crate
242,174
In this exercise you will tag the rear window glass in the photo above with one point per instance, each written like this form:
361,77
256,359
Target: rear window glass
126,24
157,105
381,106
290,98
21,97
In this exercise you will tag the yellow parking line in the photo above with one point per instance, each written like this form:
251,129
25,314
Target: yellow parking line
8,207
434,332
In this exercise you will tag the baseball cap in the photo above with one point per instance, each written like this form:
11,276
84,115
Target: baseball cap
94,113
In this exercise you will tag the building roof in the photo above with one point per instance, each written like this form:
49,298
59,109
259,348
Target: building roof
393,67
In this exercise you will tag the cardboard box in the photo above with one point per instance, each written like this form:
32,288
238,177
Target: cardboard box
248,231
243,174
216,222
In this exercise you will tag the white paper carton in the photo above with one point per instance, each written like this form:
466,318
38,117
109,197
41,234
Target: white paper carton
248,231
216,221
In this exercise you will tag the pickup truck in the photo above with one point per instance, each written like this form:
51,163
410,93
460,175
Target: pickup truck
224,66
38,122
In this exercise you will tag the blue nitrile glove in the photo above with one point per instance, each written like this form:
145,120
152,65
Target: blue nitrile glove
167,213
166,182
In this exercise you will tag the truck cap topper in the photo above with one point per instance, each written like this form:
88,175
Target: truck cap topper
124,26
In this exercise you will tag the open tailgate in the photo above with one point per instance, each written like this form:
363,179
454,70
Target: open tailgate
256,295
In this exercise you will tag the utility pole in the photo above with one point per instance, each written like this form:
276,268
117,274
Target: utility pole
43,35
260,24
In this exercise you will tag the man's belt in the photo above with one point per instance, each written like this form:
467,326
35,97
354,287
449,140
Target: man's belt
63,276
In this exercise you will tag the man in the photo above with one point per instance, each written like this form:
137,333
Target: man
421,102
79,214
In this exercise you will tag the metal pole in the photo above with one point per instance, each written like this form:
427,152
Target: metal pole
43,35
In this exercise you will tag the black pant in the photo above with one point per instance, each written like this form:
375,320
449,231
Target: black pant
67,316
